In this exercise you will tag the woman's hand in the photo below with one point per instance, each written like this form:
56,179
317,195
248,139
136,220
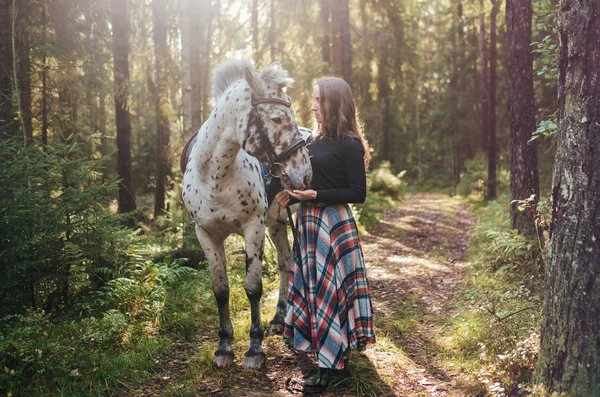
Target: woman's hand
283,198
303,195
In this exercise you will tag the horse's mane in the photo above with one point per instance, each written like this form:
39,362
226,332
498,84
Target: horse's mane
232,70
277,75
227,73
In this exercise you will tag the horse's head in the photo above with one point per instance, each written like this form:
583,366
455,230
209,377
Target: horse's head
272,134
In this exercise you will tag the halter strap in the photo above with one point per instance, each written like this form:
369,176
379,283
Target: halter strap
272,156
266,143
276,101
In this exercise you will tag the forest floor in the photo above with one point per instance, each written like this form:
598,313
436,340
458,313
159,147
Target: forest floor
416,258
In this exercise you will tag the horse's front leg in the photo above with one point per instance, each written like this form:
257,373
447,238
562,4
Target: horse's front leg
254,234
279,236
215,254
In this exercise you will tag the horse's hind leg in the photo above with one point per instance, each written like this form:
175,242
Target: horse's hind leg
279,236
215,254
255,238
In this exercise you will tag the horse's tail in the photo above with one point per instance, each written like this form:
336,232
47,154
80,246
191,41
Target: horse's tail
227,73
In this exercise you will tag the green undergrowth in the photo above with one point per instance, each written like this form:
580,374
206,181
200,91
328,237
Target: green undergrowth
126,329
494,335
384,192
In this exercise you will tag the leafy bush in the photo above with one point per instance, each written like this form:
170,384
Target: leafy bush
55,233
383,180
384,190
472,181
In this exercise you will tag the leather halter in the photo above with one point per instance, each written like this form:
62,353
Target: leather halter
275,168
273,159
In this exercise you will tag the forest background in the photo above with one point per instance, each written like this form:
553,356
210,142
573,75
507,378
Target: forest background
99,97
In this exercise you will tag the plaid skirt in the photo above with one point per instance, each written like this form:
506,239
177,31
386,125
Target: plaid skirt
329,301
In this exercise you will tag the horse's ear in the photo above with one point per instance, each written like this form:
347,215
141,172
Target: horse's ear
255,82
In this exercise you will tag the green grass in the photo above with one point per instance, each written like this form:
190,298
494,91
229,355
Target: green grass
407,314
363,380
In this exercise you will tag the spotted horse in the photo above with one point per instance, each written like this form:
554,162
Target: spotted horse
251,128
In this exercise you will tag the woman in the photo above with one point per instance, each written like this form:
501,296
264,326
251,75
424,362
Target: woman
329,304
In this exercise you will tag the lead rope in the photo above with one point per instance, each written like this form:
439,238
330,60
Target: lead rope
296,244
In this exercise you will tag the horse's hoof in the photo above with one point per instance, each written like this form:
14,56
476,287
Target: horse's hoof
222,360
255,361
275,329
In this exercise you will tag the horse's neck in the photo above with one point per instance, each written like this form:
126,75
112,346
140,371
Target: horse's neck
222,134
217,150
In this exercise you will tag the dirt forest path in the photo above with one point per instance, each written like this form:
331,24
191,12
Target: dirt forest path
416,266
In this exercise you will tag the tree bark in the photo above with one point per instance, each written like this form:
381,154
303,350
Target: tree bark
6,70
569,358
524,179
483,84
44,78
336,37
324,14
272,31
212,23
255,42
120,26
346,42
456,59
491,183
384,92
186,73
197,62
24,72
159,8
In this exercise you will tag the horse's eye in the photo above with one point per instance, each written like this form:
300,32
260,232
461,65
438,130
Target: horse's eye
276,120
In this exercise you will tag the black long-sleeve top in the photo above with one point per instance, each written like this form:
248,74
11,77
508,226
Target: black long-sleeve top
338,170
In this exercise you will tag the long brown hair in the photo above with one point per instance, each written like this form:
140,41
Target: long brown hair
339,118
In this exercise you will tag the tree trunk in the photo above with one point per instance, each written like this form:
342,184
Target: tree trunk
6,70
65,36
464,149
255,42
212,17
569,358
272,32
186,72
324,13
384,91
120,27
491,183
197,73
23,48
104,141
483,84
521,110
159,8
364,81
454,98
336,37
344,12
44,96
